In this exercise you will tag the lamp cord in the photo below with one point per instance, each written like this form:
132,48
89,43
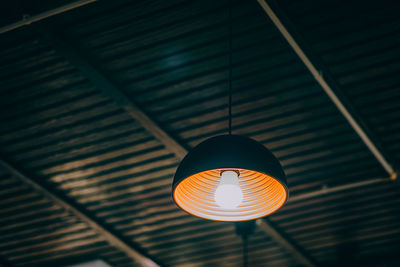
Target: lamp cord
244,230
245,250
230,71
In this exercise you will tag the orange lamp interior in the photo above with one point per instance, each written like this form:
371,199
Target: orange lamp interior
262,195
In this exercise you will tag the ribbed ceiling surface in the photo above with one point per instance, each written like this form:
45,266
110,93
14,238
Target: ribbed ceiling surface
170,58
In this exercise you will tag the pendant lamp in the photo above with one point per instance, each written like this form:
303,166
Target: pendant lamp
230,177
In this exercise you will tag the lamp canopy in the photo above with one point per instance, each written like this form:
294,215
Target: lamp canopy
251,168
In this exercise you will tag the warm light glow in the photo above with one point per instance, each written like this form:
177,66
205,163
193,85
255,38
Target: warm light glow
228,194
261,195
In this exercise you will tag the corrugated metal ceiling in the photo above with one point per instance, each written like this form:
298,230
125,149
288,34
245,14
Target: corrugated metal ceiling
170,58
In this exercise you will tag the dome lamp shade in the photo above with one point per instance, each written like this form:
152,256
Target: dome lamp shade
230,178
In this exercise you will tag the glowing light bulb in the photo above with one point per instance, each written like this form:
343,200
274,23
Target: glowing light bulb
228,194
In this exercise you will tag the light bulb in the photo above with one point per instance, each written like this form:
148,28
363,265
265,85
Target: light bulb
228,194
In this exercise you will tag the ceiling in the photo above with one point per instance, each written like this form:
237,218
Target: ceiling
100,103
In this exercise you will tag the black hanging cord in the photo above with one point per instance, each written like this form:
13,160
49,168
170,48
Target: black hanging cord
245,250
230,70
244,230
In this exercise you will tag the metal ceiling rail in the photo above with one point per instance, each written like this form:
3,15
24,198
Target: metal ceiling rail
26,20
112,91
327,88
329,190
107,234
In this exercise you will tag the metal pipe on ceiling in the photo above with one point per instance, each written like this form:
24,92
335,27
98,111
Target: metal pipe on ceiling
327,88
28,20
329,190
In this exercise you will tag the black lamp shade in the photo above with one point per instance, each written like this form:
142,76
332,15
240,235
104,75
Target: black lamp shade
261,179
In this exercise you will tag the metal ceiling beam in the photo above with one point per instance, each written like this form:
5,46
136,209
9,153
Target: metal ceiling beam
112,91
302,257
317,74
108,234
27,19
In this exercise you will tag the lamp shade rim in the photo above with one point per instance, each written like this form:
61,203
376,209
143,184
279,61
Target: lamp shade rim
236,168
